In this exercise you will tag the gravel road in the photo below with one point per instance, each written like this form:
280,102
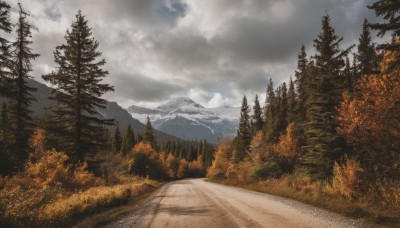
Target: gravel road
197,203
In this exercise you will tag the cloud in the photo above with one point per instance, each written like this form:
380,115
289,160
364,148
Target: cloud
213,51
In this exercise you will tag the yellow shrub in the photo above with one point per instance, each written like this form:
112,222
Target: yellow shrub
348,179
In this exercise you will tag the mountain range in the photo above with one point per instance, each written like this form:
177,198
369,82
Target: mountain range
179,118
111,111
186,119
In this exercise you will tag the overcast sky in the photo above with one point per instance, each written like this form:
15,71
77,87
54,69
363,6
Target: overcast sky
213,51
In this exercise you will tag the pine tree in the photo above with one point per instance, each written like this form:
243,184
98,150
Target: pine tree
256,120
282,107
292,104
301,83
355,72
324,145
78,95
21,97
129,140
348,75
367,58
243,137
148,133
116,139
5,55
270,112
389,10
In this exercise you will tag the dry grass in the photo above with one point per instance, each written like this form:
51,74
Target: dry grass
51,208
68,210
321,195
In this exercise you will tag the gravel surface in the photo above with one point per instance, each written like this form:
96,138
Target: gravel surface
196,203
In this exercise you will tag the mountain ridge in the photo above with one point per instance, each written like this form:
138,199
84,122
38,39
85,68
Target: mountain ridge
184,118
112,111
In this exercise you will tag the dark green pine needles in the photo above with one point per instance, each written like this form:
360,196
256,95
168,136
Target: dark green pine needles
323,144
78,91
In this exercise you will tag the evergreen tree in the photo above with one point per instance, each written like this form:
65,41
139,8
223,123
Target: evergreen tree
77,80
367,58
282,107
390,11
148,133
270,111
129,140
301,83
348,75
21,97
256,120
5,56
243,137
116,139
324,145
292,104
355,72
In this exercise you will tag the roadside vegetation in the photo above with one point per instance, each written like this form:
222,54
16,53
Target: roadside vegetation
59,168
331,136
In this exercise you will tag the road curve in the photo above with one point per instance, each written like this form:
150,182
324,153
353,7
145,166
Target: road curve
197,203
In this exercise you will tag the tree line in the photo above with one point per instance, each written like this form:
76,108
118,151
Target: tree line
337,120
73,124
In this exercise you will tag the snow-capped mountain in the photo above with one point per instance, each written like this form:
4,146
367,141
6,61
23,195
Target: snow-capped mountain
184,118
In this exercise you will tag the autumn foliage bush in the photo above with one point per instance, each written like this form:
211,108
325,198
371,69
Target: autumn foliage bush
349,179
371,122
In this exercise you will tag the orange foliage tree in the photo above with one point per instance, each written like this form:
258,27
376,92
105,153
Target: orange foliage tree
371,121
222,159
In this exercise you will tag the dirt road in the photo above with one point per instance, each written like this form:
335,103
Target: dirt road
196,203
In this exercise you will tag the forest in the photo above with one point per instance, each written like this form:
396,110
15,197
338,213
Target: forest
330,136
57,168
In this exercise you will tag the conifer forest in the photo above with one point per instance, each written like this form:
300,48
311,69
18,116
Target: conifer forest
327,135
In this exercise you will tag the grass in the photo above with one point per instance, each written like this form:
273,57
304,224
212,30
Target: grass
317,194
106,217
21,208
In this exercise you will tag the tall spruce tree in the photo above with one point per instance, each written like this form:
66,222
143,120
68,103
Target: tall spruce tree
367,58
323,145
282,107
256,120
5,55
348,75
292,102
390,11
301,83
354,71
148,133
78,82
243,137
21,92
270,112
128,141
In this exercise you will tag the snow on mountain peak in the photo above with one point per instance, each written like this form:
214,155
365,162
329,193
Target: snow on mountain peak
187,119
178,102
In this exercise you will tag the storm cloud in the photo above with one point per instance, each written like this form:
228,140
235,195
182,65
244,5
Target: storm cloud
213,51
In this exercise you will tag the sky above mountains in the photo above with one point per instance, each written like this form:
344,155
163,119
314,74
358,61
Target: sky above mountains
212,51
